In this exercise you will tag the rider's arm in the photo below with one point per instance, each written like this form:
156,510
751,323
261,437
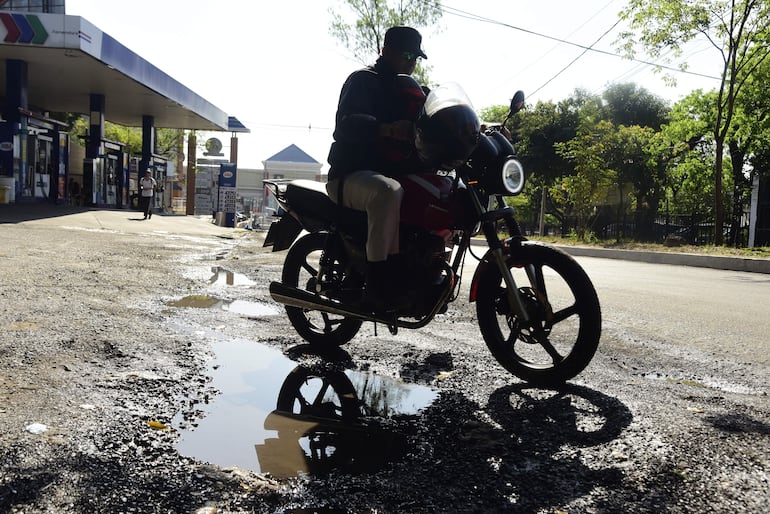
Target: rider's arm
357,120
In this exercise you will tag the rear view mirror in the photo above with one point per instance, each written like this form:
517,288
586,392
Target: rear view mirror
517,102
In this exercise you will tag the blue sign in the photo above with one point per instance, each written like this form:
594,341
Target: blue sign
227,193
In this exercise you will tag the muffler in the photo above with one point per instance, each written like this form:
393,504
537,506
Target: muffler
302,299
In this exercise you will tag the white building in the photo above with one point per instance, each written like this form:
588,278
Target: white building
290,163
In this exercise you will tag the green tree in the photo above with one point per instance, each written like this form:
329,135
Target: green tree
361,25
737,29
686,156
628,104
167,141
537,131
583,193
634,150
749,141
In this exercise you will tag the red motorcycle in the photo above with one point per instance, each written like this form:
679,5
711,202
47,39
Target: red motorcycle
537,309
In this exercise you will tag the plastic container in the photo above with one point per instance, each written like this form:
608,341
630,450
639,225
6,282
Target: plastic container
10,183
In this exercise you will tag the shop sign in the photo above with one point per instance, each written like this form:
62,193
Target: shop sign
23,28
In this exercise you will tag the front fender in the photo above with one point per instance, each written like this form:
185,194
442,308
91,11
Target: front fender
486,263
282,233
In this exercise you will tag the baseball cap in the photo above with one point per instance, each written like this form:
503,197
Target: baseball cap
405,39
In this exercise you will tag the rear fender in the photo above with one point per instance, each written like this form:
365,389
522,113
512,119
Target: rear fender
282,233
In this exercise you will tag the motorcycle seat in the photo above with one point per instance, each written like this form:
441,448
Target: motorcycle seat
309,198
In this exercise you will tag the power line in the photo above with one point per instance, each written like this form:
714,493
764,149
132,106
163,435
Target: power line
576,58
554,47
475,17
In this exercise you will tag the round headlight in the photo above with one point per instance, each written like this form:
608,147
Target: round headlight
513,177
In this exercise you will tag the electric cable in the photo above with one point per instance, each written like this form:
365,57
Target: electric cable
474,17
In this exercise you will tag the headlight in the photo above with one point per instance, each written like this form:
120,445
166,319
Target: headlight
512,177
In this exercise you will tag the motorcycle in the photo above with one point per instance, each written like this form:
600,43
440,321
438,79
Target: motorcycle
537,309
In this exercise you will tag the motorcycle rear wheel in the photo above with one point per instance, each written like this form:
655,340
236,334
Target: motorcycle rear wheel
565,318
300,270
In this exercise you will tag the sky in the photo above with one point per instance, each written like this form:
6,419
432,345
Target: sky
275,66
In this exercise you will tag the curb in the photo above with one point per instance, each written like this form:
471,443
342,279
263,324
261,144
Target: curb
671,258
674,259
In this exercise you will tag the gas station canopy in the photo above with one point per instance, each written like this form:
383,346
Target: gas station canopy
69,59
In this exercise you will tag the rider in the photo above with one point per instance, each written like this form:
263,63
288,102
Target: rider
373,142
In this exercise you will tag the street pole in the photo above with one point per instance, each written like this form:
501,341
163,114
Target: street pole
541,228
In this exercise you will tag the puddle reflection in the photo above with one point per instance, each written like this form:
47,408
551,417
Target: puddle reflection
205,301
273,416
224,277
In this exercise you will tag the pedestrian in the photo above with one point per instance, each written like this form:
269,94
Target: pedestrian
74,190
148,187
373,142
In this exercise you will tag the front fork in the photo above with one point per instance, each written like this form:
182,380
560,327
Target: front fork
500,253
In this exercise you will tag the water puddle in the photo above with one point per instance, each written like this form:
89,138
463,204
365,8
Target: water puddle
224,277
273,416
242,307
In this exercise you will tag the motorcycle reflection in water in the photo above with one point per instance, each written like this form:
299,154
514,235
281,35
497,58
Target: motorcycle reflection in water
322,425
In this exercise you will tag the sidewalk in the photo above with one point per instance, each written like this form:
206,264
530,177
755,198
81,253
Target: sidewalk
122,220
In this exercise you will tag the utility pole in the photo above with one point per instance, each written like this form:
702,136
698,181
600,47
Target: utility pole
541,228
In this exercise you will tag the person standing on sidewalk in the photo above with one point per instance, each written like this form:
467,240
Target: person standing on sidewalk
148,187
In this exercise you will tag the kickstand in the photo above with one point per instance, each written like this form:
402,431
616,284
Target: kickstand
393,329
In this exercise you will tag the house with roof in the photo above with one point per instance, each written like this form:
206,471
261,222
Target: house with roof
290,163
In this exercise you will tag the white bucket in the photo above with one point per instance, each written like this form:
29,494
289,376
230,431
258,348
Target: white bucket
10,183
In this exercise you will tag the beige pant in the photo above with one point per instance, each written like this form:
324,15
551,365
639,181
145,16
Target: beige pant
380,197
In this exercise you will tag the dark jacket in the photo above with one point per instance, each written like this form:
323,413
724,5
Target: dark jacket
368,98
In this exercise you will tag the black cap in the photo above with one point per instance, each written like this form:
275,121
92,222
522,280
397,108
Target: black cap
405,39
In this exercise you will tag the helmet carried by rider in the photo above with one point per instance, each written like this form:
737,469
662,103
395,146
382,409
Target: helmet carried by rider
411,97
448,131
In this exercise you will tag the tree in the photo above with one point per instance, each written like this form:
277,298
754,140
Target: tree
627,104
749,142
365,34
166,141
537,131
634,159
737,29
586,190
686,156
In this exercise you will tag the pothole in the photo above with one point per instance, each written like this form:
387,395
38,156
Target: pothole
273,416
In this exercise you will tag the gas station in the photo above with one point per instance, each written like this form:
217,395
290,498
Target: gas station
56,63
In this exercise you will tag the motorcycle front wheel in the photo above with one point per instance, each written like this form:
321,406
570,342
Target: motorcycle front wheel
563,331
300,270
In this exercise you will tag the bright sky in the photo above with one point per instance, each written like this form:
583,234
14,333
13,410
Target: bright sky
274,66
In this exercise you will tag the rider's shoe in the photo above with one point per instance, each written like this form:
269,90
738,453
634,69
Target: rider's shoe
382,292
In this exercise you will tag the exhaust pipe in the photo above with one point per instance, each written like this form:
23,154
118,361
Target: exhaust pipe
302,299
293,297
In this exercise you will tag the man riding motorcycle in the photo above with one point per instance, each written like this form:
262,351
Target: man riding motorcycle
374,141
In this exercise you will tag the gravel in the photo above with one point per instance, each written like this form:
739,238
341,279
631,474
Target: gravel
94,354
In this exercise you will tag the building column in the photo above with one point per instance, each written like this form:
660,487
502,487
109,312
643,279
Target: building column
16,96
148,144
92,172
192,142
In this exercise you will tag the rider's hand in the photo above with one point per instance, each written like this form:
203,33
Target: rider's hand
401,130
